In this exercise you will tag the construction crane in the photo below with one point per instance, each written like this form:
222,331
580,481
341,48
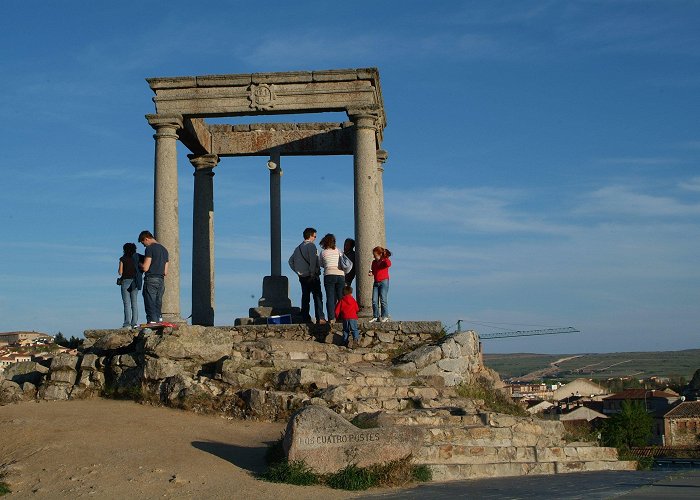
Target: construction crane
522,333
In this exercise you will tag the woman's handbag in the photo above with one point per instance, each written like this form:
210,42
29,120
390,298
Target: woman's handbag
344,263
119,281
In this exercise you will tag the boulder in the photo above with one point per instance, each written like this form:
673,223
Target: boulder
115,340
64,376
327,442
191,342
64,362
55,391
26,371
89,362
423,356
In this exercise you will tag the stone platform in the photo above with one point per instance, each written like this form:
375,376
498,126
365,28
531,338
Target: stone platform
404,375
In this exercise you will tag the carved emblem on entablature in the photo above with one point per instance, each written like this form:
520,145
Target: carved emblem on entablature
262,96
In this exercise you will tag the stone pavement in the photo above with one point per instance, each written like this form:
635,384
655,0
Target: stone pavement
585,485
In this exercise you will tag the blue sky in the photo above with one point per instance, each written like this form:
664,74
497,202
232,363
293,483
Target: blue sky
543,159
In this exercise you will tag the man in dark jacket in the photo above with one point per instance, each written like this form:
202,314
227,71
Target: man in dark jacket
304,262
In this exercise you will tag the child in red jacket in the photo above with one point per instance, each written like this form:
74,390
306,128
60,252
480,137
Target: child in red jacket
347,309
380,290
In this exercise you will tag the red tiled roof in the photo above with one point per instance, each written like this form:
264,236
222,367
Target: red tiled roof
641,394
689,409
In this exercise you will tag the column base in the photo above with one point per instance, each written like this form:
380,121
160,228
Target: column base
365,312
174,318
275,293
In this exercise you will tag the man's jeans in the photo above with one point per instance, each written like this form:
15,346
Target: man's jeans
311,285
334,285
130,296
380,293
153,289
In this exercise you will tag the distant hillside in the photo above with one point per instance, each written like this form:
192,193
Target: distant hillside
526,366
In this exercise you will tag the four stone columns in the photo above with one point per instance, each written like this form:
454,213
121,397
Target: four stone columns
369,218
369,222
166,222
203,239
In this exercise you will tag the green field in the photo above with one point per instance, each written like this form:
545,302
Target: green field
605,365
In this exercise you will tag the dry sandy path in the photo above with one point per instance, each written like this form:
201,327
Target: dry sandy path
119,449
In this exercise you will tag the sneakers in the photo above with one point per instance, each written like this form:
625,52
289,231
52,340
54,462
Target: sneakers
385,319
374,320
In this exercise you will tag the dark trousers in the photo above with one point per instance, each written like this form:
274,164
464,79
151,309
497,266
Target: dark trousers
334,292
153,289
311,285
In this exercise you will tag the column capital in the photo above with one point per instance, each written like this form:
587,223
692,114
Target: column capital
382,156
364,116
170,120
203,162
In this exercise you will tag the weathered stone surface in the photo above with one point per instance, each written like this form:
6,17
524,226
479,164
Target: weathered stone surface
64,362
65,376
327,442
192,342
450,349
55,391
469,341
26,371
423,356
386,337
89,362
304,377
158,368
114,340
458,365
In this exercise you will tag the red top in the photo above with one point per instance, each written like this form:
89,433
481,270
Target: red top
347,308
380,269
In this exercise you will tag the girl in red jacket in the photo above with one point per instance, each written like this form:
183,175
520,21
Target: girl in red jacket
346,309
380,291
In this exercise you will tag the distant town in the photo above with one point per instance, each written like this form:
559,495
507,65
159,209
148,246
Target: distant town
18,347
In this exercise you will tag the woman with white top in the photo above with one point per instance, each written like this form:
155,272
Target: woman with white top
333,275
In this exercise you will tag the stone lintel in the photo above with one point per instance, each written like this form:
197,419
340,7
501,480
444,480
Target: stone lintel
229,80
247,140
195,136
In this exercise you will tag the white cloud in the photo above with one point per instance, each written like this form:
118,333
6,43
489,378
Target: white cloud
620,200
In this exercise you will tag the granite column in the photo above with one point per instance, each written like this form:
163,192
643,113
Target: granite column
368,233
166,223
203,239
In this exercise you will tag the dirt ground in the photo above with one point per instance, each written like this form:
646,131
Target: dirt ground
119,449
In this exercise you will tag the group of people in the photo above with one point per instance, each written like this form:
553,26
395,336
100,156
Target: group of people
307,263
147,272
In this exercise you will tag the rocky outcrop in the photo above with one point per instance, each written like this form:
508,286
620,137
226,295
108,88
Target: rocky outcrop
403,380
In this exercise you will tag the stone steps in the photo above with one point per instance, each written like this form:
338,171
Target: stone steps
455,472
451,453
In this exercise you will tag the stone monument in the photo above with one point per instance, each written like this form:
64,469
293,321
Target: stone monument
182,106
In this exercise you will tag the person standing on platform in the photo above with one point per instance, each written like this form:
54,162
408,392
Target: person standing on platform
305,264
155,267
131,280
346,309
333,275
380,290
349,251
